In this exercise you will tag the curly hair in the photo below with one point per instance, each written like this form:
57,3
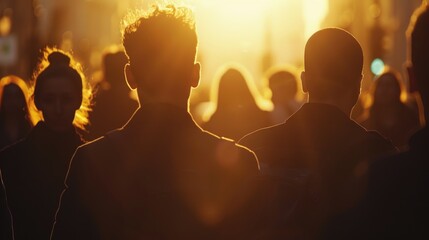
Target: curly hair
160,42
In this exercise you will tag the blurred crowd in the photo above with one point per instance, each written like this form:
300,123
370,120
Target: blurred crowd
311,132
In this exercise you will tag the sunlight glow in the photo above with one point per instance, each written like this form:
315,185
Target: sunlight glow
5,25
314,13
231,30
245,31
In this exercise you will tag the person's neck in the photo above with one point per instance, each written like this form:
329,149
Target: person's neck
169,101
342,105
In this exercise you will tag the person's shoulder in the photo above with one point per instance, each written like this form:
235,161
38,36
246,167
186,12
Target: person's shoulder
94,145
405,163
376,140
263,136
240,155
370,140
93,148
88,158
13,153
105,147
13,147
221,142
232,154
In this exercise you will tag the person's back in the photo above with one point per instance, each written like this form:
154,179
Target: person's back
320,143
158,179
161,176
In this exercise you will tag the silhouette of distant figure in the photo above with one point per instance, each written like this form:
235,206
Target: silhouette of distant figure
160,176
284,89
237,112
5,218
320,145
34,169
113,104
15,121
396,204
388,114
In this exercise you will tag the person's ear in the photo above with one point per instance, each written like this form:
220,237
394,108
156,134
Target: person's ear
412,78
304,82
129,76
196,73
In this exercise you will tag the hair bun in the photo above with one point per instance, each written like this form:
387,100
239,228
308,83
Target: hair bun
58,58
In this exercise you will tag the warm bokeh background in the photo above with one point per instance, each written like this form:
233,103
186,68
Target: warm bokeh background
255,33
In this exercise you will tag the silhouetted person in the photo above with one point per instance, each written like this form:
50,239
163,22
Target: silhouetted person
15,121
284,90
113,104
396,205
237,112
34,169
319,145
388,114
160,176
5,217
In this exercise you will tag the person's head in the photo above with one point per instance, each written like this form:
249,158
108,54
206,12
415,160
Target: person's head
387,88
283,85
161,47
13,97
113,67
333,62
418,38
60,91
233,90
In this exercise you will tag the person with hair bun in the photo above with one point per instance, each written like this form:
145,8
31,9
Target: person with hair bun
34,169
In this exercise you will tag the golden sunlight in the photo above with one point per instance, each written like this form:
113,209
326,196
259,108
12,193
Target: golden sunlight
314,13
244,30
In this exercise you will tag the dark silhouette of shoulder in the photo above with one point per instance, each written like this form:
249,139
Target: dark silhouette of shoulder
318,128
158,176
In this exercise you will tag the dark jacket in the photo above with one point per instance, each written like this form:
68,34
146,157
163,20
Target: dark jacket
33,171
396,205
322,151
5,217
160,177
